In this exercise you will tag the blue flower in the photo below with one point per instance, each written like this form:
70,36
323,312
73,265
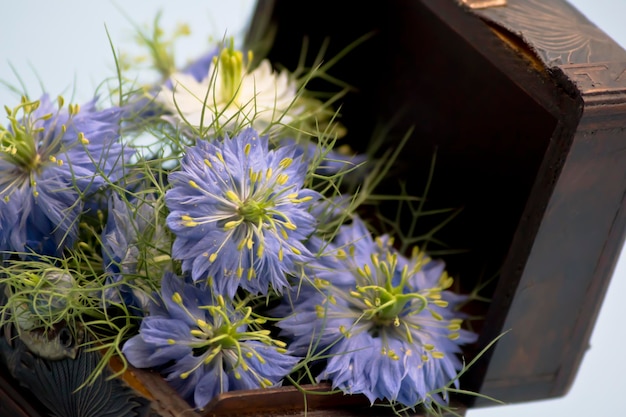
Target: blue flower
387,322
329,161
240,213
199,68
135,250
50,159
213,345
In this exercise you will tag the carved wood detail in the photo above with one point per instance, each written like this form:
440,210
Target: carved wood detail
483,4
601,83
557,31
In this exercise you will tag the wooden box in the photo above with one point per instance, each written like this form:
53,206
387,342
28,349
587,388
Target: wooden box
524,102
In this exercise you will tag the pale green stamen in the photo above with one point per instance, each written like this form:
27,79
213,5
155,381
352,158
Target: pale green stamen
231,70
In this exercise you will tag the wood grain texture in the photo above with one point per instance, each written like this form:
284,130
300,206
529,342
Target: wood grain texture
555,30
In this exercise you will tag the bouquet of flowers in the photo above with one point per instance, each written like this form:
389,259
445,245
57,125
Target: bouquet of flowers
212,227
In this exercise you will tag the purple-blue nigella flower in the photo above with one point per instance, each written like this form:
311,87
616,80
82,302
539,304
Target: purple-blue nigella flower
199,68
240,213
50,160
328,161
387,322
135,248
205,345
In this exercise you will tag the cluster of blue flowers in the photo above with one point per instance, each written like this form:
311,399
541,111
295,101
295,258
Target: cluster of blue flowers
234,251
52,161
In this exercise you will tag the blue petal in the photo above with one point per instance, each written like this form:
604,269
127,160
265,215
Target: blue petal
213,382
144,355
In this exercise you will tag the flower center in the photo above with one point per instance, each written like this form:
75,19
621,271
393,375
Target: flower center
230,71
227,332
385,306
253,211
18,142
29,146
386,292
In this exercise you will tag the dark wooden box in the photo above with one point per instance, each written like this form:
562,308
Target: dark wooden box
525,104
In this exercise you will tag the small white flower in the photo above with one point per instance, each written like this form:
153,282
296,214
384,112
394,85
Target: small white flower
232,96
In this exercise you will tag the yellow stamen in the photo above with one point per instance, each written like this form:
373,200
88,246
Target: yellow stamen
282,179
177,298
285,162
83,139
231,224
232,196
436,315
454,327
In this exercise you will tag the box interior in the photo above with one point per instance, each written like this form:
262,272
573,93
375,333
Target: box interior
419,72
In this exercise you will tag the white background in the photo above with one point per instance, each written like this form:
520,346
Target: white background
63,46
